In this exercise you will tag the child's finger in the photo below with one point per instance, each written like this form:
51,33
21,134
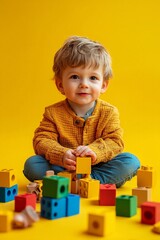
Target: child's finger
80,150
71,168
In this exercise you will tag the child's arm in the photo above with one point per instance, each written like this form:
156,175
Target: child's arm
110,143
45,142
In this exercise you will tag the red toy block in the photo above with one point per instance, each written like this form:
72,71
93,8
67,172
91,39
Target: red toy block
27,199
107,195
150,212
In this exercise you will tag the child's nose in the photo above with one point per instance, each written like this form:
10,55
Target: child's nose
83,83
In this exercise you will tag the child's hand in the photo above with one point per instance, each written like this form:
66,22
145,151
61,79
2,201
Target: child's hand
85,151
69,160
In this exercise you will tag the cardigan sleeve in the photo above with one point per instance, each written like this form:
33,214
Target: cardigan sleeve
110,142
45,141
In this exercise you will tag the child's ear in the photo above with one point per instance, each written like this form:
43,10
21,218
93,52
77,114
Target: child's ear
59,85
104,86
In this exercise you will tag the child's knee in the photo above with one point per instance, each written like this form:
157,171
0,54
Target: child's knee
133,158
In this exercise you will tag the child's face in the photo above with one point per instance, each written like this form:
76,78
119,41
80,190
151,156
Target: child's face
82,85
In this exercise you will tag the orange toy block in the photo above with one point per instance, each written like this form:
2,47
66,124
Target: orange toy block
69,175
7,178
74,186
89,188
143,195
145,177
101,224
6,218
83,165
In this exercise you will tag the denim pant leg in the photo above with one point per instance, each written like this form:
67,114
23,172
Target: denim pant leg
118,170
36,166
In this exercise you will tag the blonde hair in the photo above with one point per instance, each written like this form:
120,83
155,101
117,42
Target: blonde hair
81,51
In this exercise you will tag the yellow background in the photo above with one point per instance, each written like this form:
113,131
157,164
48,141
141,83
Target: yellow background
33,30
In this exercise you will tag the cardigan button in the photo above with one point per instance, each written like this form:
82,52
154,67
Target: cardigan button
77,122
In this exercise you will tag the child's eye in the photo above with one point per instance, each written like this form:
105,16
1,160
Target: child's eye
74,77
93,78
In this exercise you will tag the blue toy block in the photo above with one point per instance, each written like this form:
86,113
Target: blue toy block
126,205
55,186
8,194
73,204
52,208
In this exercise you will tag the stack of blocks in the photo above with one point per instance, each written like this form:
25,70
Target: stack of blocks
85,187
8,191
56,201
150,211
144,185
8,185
88,187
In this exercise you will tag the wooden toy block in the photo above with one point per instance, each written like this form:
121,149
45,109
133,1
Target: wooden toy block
107,195
75,186
50,173
69,175
25,218
32,187
55,186
52,208
145,177
83,165
23,200
73,204
8,194
143,195
126,206
156,228
89,188
150,212
39,188
101,224
7,178
6,218
36,188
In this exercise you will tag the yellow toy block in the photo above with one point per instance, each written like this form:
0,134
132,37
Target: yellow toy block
145,177
89,187
143,195
6,218
69,175
83,165
101,224
7,178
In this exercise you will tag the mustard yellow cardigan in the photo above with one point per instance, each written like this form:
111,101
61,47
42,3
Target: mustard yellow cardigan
61,129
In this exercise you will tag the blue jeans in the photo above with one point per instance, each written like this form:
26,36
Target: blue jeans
118,170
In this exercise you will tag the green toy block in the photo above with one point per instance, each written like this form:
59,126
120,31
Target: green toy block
55,186
126,206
